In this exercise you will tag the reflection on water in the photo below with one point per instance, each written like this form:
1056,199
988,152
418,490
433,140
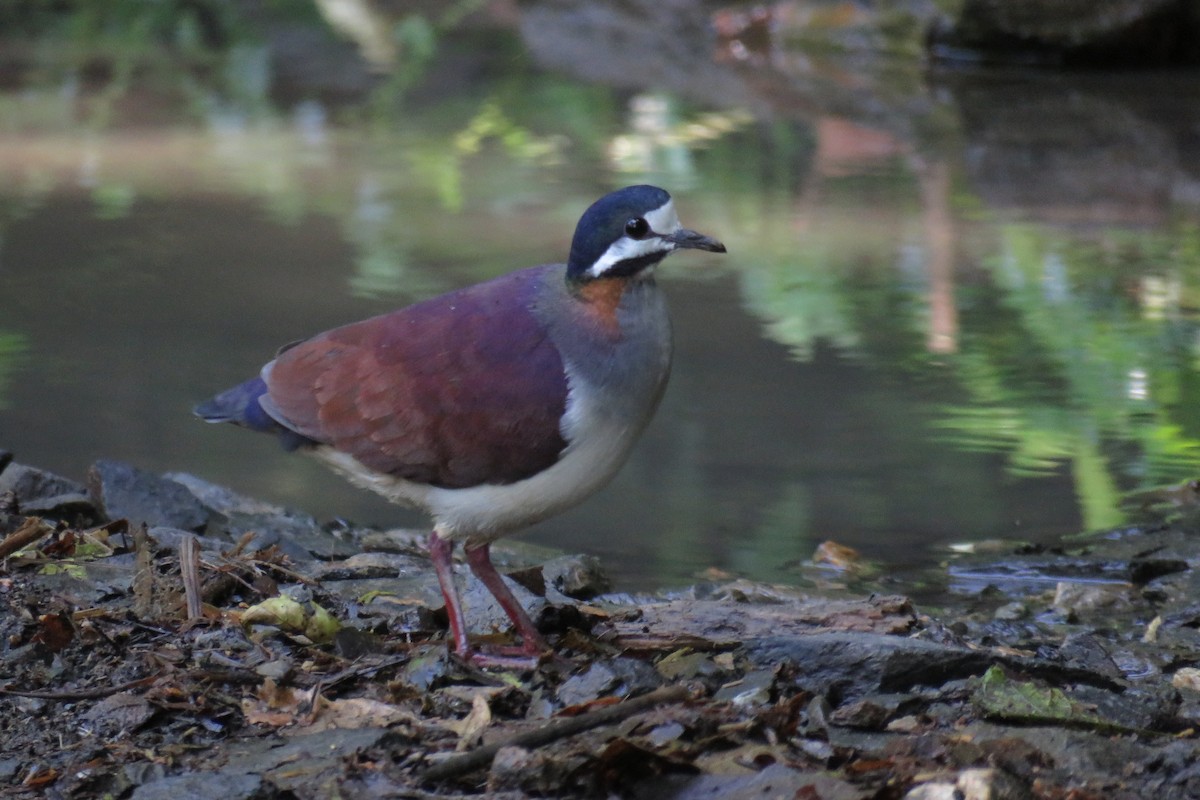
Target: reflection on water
958,312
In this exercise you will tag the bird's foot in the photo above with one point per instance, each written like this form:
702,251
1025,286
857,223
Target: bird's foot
502,656
518,660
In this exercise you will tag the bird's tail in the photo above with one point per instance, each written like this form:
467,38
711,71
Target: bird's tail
240,406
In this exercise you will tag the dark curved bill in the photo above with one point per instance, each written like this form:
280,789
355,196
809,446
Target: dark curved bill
696,241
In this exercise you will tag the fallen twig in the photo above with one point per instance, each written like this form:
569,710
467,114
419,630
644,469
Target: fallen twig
481,757
32,529
189,567
81,694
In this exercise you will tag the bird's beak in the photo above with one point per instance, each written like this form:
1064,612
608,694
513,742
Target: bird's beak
696,241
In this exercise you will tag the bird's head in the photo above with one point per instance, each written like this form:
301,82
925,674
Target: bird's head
626,233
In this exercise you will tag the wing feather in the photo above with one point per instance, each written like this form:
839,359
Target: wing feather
457,391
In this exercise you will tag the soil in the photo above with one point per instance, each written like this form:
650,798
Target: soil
164,637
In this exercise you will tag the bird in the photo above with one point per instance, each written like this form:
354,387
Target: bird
494,406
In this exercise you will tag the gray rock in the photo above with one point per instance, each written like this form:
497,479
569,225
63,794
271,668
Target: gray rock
578,576
173,538
297,534
9,767
850,665
43,493
482,612
753,689
777,780
618,676
121,490
203,786
371,565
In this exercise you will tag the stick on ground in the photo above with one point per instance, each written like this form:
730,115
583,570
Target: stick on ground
481,757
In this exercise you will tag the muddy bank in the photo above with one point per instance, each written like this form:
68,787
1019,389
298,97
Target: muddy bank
164,637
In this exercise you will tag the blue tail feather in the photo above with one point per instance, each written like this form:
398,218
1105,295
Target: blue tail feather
240,406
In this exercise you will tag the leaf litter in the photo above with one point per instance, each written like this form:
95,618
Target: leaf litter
143,656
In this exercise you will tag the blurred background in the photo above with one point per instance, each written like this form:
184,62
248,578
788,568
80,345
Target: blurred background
960,300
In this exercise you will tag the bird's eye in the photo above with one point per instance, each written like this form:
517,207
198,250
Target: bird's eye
637,228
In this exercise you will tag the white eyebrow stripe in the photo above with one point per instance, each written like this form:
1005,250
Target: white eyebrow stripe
664,219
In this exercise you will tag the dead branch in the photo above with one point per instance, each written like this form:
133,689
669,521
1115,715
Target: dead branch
32,529
482,756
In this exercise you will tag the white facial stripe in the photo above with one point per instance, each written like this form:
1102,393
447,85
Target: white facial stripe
662,220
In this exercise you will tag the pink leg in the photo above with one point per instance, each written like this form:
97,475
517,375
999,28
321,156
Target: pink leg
441,552
480,561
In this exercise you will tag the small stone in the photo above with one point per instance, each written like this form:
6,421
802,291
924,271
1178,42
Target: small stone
517,770
684,665
754,689
1082,599
907,724
991,784
577,576
665,734
276,669
933,791
509,767
1186,678
1011,612
862,714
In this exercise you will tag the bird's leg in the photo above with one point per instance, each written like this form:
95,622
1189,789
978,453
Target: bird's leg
441,551
480,560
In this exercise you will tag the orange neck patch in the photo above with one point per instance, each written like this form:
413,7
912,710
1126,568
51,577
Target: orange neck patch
600,299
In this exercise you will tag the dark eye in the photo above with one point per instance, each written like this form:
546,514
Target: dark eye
637,228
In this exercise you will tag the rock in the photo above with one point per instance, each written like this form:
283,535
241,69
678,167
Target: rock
866,714
173,538
9,767
276,669
404,605
203,786
298,535
754,689
685,665
120,490
118,715
776,780
1010,612
850,665
482,611
581,577
1076,600
1186,678
727,623
618,676
1016,700
1086,651
45,494
536,772
973,784
938,790
365,566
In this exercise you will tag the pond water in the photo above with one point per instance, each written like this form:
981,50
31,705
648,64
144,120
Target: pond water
956,306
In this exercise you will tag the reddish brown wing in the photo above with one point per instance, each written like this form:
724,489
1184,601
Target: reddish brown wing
457,391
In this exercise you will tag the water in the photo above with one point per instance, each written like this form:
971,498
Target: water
955,307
